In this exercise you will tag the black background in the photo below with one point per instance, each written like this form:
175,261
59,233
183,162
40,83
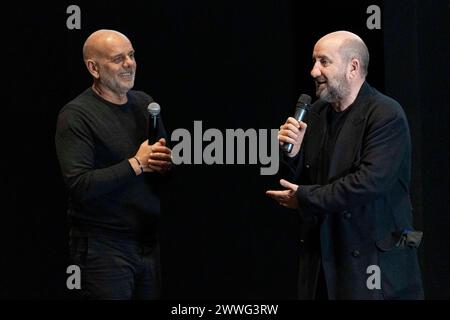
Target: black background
230,64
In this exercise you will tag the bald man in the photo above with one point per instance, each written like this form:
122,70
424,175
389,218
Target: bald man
112,174
348,175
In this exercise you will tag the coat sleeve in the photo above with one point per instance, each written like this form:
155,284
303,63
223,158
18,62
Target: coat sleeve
385,146
290,168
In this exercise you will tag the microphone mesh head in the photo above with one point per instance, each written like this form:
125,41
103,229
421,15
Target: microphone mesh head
154,109
304,99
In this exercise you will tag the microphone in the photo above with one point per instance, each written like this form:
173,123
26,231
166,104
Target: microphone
153,122
300,112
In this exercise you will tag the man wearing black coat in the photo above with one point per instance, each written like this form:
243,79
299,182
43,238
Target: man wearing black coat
351,167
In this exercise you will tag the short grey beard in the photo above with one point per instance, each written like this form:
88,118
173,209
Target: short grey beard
335,93
113,86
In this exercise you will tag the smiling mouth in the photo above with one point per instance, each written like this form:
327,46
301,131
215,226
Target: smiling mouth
126,75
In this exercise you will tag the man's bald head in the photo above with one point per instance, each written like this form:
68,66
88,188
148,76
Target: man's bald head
350,46
109,58
100,43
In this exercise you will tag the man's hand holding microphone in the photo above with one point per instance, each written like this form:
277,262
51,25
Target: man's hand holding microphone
153,154
290,137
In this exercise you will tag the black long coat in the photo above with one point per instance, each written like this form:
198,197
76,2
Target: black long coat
365,206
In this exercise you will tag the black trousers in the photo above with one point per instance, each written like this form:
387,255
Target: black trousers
116,269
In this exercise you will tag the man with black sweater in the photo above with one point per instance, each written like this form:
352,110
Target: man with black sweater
112,174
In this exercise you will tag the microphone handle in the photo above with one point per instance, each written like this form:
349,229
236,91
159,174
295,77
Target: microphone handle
153,129
300,113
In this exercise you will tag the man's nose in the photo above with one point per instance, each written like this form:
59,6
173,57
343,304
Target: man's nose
315,71
128,62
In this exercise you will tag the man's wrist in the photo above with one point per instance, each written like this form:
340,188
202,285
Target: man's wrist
136,165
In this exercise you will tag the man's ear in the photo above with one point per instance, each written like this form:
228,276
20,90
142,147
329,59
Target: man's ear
353,68
93,68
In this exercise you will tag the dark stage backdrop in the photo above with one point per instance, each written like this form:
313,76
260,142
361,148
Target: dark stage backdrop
231,64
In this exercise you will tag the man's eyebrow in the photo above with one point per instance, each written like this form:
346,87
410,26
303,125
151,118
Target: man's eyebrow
115,56
120,54
321,57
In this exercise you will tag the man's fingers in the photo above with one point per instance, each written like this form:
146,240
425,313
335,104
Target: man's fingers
303,126
155,169
293,121
285,139
288,185
288,133
159,163
160,149
272,193
160,156
160,142
291,127
277,194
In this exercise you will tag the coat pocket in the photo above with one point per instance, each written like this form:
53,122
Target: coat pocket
405,238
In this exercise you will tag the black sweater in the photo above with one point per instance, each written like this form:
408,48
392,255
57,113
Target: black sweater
94,140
